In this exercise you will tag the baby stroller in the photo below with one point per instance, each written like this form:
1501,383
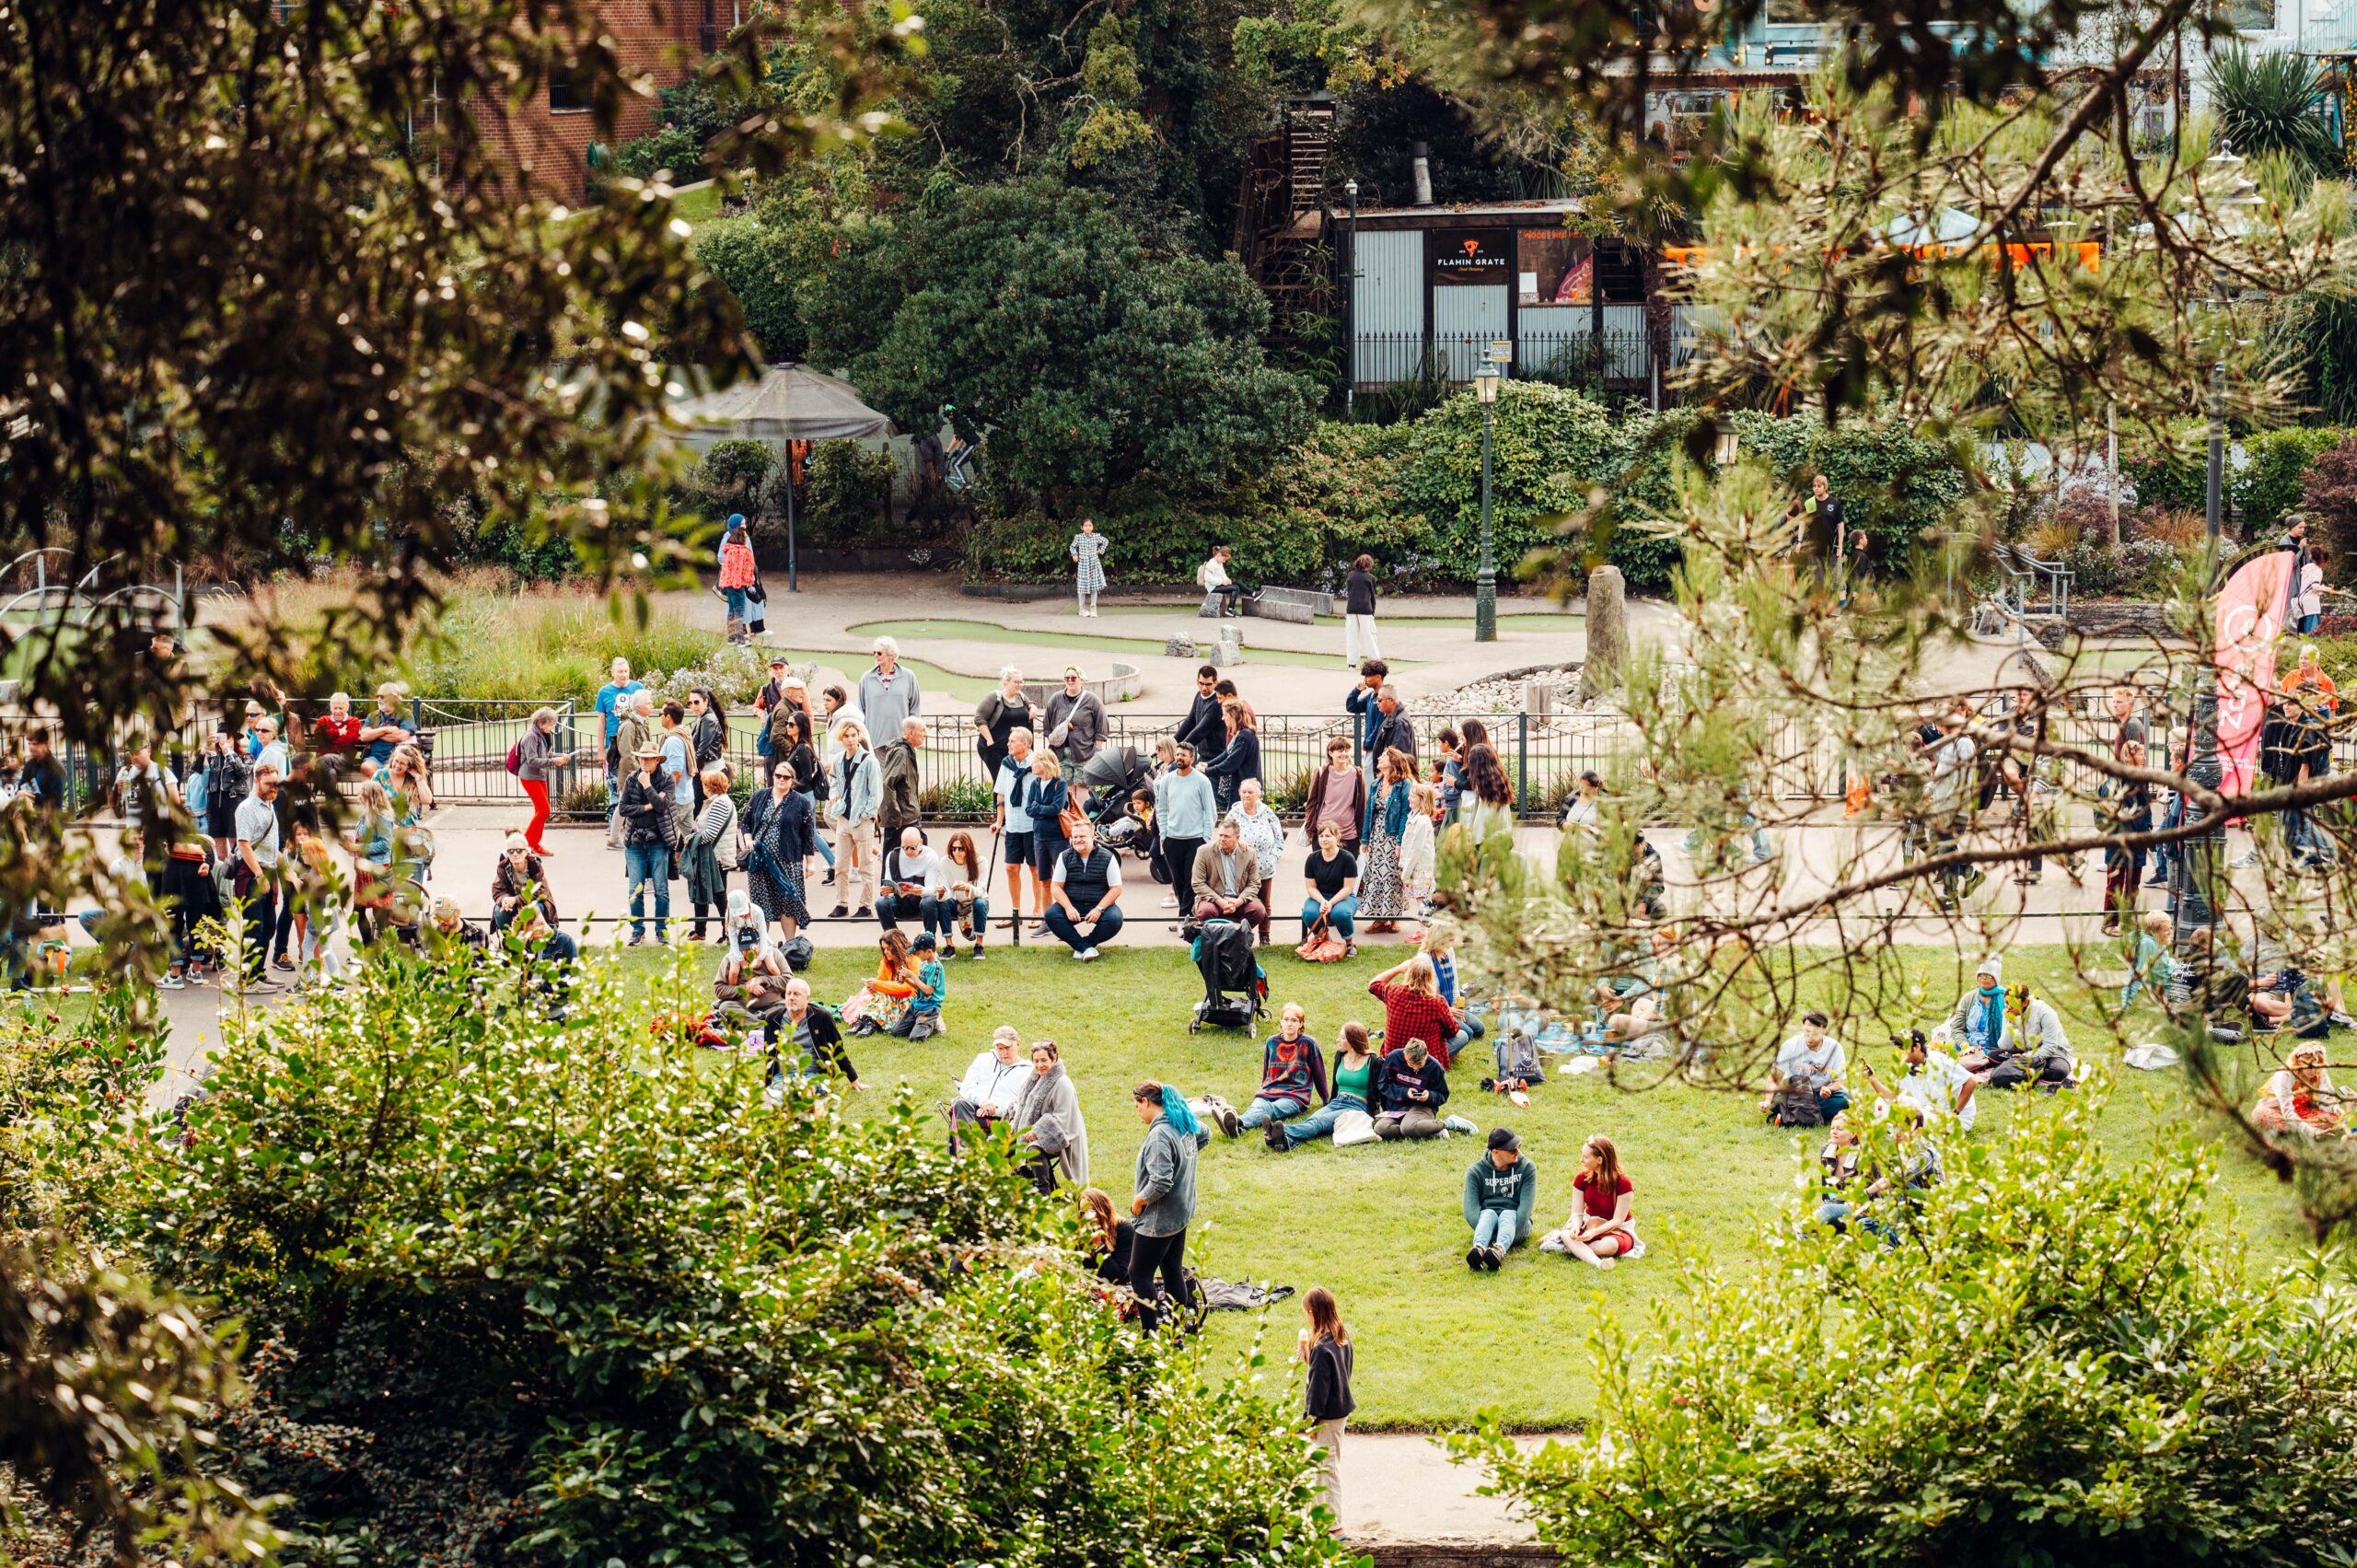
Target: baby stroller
1111,776
1224,958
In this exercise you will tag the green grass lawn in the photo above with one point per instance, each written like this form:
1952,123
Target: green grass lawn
987,632
1379,1225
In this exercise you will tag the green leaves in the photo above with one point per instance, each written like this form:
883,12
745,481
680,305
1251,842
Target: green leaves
2045,1361
562,1292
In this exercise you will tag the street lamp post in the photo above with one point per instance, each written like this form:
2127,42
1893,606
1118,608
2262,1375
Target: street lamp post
2233,196
1350,304
1485,585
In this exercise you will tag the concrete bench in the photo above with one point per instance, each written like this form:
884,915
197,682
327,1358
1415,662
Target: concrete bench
1300,606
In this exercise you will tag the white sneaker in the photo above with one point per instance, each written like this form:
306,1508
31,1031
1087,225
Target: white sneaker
1088,956
1171,902
2248,857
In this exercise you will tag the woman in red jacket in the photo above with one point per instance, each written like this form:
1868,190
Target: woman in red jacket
737,574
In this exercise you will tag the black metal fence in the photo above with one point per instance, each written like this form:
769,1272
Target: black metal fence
1568,359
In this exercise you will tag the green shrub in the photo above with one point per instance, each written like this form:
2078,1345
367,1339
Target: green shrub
960,800
732,477
2175,478
2269,483
1897,486
2052,1360
669,148
758,263
566,1294
847,500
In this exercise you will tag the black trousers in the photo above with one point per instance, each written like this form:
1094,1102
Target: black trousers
1165,1255
260,907
1178,860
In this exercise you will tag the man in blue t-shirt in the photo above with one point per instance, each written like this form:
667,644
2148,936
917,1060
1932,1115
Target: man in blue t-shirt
388,728
613,702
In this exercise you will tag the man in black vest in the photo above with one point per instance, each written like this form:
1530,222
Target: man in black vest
1086,887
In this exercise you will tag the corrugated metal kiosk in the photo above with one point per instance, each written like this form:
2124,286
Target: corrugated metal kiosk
1433,287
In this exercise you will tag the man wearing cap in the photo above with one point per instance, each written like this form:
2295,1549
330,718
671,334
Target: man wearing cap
1076,720
992,1086
447,928
632,732
751,980
768,703
1500,1191
650,833
1411,1085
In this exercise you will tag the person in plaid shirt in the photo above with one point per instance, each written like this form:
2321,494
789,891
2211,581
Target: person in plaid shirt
1413,1008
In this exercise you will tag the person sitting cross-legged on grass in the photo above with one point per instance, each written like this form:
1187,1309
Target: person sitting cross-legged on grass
1500,1191
1086,887
1935,1083
1603,1226
923,1020
1808,1066
805,1042
2033,1049
1293,1069
1411,1085
1356,1065
750,982
2299,1096
1976,1022
1919,1167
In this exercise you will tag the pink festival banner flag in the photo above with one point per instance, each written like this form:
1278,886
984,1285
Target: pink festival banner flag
2247,618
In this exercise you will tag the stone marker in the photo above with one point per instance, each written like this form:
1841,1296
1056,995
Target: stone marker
1608,632
1228,651
1179,647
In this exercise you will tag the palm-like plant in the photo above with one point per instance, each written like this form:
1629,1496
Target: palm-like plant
2267,103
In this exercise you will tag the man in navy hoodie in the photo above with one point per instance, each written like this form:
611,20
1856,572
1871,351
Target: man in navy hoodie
1500,1191
1410,1087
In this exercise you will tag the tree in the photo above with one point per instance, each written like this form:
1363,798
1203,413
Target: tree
267,298
1097,363
2040,1358
698,1327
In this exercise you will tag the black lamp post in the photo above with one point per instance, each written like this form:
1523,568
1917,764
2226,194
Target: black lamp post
1485,585
1351,303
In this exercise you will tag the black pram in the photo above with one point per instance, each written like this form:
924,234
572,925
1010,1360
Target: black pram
1224,958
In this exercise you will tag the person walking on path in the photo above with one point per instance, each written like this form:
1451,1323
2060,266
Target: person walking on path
1088,566
1325,1350
1165,1201
737,575
535,755
1358,613
889,693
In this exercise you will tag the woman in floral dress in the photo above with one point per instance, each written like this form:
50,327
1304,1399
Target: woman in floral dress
1381,902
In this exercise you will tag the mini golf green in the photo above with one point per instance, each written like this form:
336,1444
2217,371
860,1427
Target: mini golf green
985,632
1512,620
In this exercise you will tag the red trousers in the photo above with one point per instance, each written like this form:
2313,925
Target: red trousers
538,790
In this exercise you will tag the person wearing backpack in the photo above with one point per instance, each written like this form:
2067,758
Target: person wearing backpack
711,851
1806,1077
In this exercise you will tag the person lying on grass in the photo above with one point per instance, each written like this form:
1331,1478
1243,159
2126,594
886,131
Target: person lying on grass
1603,1228
1500,1191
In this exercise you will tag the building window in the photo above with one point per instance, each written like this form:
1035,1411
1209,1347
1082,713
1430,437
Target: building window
563,97
2251,15
1553,267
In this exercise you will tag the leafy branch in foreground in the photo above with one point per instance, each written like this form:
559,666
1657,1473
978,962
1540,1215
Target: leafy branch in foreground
696,1328
2050,1355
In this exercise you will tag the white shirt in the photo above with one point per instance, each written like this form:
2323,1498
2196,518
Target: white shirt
1795,1057
2311,597
992,1082
1931,1087
1011,774
1211,574
925,868
1112,871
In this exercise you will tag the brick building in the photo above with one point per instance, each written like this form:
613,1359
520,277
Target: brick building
547,140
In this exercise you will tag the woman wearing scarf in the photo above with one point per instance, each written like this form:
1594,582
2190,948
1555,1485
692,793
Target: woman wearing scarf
1166,1198
1047,1121
1977,1026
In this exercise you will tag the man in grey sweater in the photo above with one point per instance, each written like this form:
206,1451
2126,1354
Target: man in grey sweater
888,694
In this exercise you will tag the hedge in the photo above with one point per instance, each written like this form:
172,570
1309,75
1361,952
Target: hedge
1410,496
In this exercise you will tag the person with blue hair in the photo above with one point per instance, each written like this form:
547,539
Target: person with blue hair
1164,1203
